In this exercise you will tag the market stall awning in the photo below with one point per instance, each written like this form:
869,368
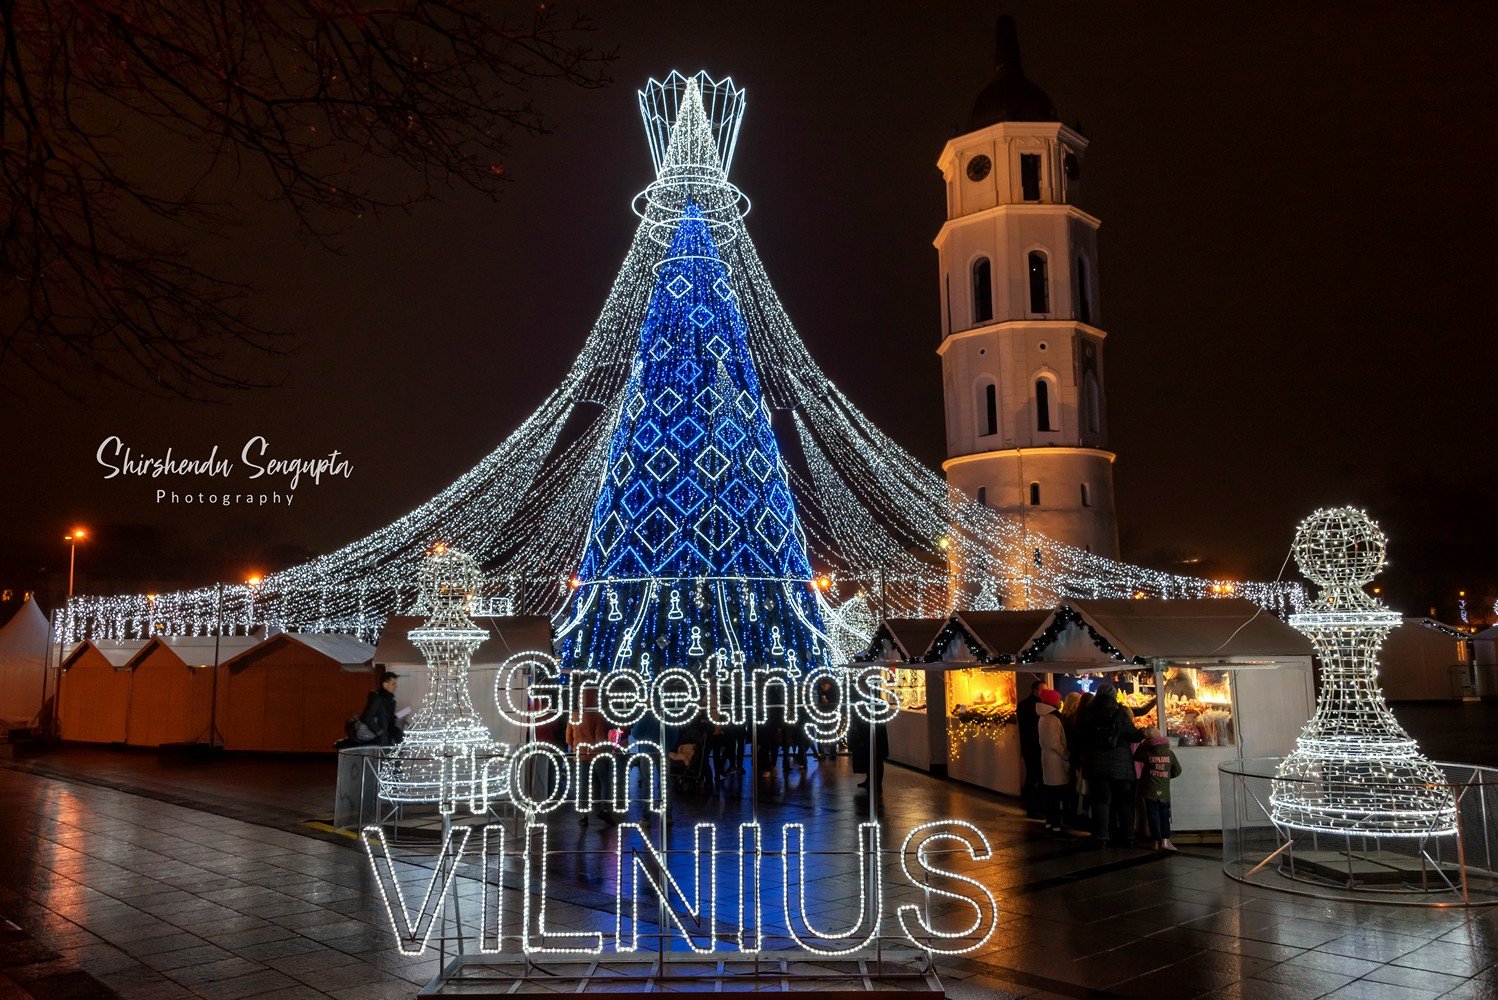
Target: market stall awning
118,652
345,650
1199,630
200,650
1001,635
909,638
508,635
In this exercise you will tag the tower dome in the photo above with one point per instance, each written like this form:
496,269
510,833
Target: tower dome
1010,96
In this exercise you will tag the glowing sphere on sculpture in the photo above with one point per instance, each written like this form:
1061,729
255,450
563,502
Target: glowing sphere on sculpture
447,745
1341,549
1354,769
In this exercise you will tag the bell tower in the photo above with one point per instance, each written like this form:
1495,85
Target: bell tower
1022,345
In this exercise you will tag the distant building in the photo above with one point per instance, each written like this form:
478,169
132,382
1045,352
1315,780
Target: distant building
1022,349
1424,660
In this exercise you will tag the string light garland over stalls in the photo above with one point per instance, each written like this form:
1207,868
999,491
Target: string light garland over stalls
875,520
1354,769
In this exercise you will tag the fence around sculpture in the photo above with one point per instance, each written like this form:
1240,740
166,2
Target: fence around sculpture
1441,869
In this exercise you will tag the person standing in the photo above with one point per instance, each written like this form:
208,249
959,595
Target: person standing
1160,766
1107,732
1055,765
584,738
379,714
1029,750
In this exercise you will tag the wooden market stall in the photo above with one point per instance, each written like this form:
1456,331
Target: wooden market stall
171,688
293,691
94,696
1230,680
917,736
509,636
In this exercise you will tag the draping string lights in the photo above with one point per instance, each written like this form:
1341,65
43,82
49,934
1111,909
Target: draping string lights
875,520
447,746
1354,769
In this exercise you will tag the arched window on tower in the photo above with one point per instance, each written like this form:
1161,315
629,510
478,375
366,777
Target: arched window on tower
1040,285
983,496
990,404
1094,404
1084,291
1034,494
982,291
1043,421
1086,495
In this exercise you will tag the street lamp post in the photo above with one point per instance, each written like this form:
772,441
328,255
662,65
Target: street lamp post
60,619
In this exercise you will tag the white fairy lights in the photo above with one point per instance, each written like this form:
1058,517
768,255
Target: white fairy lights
1354,769
874,518
447,747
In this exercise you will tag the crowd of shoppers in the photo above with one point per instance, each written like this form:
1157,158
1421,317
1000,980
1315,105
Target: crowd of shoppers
1086,763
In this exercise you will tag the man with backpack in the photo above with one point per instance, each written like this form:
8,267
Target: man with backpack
1107,732
378,724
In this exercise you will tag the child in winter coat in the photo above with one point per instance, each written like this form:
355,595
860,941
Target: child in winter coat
1160,765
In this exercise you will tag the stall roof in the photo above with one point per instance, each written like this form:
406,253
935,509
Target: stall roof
198,650
1489,634
118,652
344,650
1191,628
1003,635
508,635
912,637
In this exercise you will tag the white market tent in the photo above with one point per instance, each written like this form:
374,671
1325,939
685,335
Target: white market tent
23,665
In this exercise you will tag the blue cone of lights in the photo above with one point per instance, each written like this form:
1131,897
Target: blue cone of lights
695,550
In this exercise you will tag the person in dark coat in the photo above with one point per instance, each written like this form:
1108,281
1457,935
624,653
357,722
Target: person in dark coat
859,743
379,713
1029,750
1106,731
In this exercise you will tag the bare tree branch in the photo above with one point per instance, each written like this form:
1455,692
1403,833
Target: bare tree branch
95,273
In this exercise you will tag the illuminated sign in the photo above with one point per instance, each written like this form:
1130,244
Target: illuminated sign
720,693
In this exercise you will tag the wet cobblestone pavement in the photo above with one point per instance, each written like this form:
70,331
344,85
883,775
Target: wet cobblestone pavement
125,875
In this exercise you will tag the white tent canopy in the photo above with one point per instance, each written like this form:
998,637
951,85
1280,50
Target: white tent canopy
23,665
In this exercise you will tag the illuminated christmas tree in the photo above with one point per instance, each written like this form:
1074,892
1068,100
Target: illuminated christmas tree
695,548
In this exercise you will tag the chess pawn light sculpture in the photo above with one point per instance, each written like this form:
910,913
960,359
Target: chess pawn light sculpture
1354,769
446,745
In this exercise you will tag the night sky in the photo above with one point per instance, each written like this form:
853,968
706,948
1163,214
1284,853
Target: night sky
1297,269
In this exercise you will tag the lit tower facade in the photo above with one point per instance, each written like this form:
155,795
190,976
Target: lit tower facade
1022,348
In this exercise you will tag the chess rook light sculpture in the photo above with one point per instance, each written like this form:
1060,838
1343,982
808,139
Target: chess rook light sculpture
1354,769
447,745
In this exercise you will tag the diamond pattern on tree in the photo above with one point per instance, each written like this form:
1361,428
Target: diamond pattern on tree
661,464
656,531
716,347
738,498
687,432
660,348
730,435
622,469
721,287
647,435
636,498
687,371
759,467
726,528
679,286
609,531
746,404
772,529
702,316
636,405
712,462
709,400
667,402
686,496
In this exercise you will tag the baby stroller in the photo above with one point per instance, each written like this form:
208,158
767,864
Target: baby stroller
691,762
